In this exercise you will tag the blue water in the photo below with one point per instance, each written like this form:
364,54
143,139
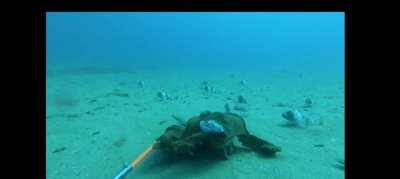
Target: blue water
98,117
247,41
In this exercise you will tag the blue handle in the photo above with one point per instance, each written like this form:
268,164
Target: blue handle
123,172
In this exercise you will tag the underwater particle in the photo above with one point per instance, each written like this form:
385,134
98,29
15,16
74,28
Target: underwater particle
59,149
241,99
162,122
140,84
295,118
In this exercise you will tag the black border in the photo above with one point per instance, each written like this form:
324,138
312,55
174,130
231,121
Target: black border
38,64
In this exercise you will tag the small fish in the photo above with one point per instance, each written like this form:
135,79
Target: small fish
93,100
90,113
99,108
72,115
119,142
126,95
280,104
319,145
59,149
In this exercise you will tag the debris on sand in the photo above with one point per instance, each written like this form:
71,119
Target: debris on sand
307,103
162,95
238,107
295,118
140,84
207,89
243,83
241,99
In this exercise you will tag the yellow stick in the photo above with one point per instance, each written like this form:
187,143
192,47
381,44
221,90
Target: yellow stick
142,156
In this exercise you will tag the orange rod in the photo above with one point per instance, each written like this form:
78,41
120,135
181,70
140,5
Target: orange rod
142,156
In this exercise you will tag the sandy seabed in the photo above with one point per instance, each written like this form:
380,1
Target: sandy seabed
95,122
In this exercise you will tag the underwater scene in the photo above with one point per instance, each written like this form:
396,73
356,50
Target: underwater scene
195,95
